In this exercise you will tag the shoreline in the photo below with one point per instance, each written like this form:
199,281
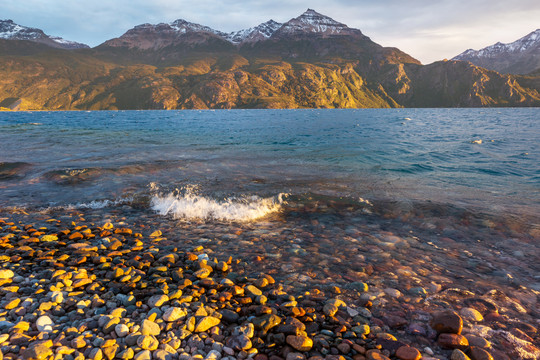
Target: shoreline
89,285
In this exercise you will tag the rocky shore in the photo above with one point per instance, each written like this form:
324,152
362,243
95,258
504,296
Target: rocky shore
106,288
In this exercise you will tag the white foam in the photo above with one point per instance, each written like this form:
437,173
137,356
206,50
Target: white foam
189,205
99,204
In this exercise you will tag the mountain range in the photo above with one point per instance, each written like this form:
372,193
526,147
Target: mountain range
310,61
519,57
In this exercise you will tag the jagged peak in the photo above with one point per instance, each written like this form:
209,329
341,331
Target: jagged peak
312,16
9,30
308,22
182,26
260,32
312,21
523,44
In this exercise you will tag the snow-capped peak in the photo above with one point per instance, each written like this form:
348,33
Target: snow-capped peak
11,31
313,22
260,32
527,42
182,26
149,36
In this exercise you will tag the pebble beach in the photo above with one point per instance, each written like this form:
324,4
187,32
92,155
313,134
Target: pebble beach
96,285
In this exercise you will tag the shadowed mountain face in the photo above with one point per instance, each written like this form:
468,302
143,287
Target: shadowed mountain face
310,61
519,57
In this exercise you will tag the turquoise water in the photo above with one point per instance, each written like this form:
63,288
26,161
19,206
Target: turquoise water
483,160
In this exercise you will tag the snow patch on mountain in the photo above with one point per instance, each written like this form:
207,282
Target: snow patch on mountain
260,32
148,36
524,44
309,22
11,31
313,22
183,26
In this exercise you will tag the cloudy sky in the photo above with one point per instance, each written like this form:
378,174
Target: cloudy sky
429,30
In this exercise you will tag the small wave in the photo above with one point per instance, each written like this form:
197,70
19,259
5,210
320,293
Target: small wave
93,205
192,206
99,204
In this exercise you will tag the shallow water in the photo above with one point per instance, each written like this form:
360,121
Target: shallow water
421,169
407,155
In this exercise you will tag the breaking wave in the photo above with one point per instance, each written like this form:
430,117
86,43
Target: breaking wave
189,205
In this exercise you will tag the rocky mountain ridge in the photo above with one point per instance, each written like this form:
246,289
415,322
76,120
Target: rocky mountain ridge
519,57
11,31
311,61
310,22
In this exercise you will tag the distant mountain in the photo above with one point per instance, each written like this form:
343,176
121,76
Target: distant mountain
309,37
311,22
161,35
310,61
519,57
11,31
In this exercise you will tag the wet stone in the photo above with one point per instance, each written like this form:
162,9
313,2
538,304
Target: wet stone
37,352
478,341
239,342
96,354
295,356
408,353
395,321
203,273
143,355
266,322
78,342
162,355
471,314
44,324
375,355
330,310
361,329
126,354
447,322
252,290
173,314
12,304
247,330
149,328
109,352
291,326
206,323
110,325
213,355
147,342
229,316
121,330
477,353
300,342
157,300
344,348
452,341
459,355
